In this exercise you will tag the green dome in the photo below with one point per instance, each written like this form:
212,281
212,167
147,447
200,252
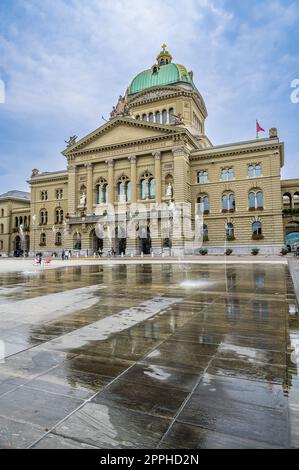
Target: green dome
169,74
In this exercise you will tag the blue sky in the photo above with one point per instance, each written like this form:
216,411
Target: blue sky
65,62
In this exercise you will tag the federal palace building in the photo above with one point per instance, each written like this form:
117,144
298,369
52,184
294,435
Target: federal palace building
153,153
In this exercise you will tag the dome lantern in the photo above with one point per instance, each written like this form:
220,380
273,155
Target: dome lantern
164,58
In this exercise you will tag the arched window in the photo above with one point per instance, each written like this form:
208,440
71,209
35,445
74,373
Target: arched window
143,188
1,244
1,229
21,220
224,202
255,199
254,170
43,239
58,216
147,186
2,212
58,239
77,241
124,189
43,217
152,188
287,200
202,176
203,204
151,117
205,233
16,222
102,191
230,231
257,231
250,171
227,174
144,117
251,198
228,202
137,117
171,116
259,200
158,117
164,116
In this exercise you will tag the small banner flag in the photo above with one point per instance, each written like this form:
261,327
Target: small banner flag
258,129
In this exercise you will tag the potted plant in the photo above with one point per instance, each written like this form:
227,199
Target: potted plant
255,251
228,252
257,236
230,238
203,251
284,252
205,238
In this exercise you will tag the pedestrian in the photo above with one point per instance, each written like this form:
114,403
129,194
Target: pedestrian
66,255
100,252
63,255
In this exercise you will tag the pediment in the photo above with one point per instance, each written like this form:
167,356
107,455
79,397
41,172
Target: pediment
118,131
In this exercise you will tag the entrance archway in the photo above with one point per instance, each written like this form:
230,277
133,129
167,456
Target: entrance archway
17,244
120,240
95,242
145,240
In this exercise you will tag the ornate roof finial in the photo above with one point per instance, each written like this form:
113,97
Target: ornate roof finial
164,58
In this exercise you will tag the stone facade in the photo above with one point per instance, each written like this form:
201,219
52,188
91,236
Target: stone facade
154,151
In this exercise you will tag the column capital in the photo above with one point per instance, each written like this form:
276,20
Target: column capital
89,166
110,163
157,155
180,152
132,159
71,168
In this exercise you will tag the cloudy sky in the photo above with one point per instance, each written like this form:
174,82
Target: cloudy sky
65,62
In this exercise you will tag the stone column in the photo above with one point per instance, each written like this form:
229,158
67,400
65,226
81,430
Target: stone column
110,164
157,157
89,195
133,161
72,193
181,166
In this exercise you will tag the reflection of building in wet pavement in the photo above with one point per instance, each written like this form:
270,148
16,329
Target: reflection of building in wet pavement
155,343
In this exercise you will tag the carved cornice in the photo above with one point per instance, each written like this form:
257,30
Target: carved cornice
223,152
132,159
180,152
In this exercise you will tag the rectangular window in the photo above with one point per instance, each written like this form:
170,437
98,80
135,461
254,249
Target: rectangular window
59,193
227,174
202,176
44,195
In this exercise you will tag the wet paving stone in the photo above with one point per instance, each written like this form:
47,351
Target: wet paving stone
52,441
36,406
158,376
240,419
145,356
185,436
17,434
108,427
164,402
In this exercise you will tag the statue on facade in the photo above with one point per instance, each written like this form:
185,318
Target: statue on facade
72,140
83,199
169,190
35,172
178,119
121,109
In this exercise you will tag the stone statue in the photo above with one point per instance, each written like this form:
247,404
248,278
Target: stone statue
273,133
178,119
35,172
121,109
83,199
72,140
169,191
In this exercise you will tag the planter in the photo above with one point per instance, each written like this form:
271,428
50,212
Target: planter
228,252
257,237
230,239
255,251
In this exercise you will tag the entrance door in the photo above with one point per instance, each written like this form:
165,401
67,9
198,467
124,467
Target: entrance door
97,243
145,241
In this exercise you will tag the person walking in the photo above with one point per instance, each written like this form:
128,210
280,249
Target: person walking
63,255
